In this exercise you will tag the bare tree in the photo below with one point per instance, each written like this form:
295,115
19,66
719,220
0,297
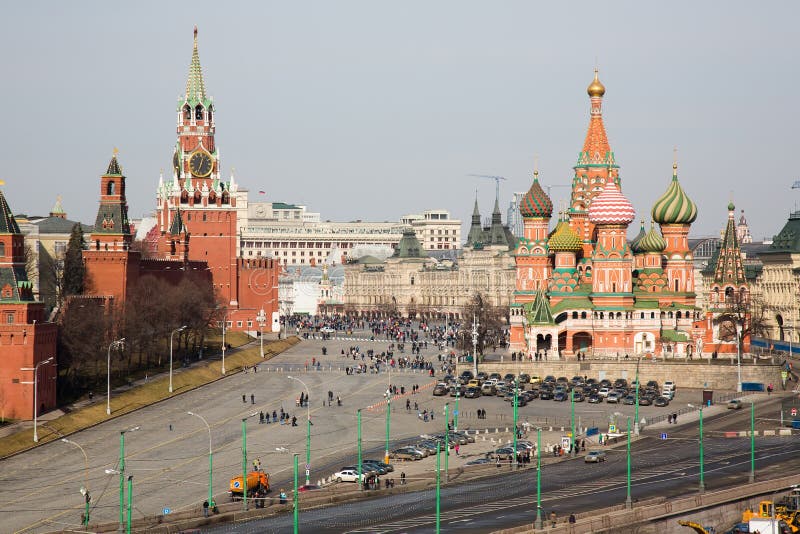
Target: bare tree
491,320
745,313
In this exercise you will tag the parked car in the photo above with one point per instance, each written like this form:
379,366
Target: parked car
646,401
457,390
478,461
348,475
482,376
613,397
578,396
509,378
524,378
440,389
407,453
472,392
661,402
559,396
545,394
504,453
594,398
604,392
734,404
595,457
308,487
469,437
388,467
495,376
488,389
629,400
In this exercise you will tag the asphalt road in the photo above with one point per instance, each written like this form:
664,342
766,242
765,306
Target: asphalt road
659,468
168,454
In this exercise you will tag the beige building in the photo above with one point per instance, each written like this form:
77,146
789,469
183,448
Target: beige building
412,282
435,229
294,236
47,239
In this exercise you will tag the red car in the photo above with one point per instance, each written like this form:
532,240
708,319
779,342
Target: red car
308,487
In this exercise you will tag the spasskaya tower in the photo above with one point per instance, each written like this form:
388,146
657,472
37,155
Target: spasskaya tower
197,207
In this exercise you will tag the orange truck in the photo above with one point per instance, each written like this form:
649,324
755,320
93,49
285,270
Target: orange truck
257,486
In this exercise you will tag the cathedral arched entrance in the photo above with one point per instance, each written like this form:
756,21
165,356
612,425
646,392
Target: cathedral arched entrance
544,342
644,342
581,342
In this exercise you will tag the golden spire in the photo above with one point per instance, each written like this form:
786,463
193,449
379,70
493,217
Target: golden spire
596,88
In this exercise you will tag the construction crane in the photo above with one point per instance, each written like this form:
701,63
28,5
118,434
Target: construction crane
495,178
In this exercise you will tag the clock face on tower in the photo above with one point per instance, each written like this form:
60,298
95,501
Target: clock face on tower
201,164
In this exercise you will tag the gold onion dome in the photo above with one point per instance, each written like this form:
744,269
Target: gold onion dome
674,206
536,203
652,242
596,88
564,239
636,240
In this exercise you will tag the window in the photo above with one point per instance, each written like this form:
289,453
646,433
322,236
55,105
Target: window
110,188
2,249
238,324
198,112
10,318
249,324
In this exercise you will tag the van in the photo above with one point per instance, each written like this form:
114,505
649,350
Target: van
669,385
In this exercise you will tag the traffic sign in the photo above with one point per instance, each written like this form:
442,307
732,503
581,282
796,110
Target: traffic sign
455,412
308,472
794,412
663,435
308,466
166,511
612,428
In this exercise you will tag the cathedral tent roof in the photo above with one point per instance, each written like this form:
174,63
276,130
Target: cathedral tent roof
536,203
538,312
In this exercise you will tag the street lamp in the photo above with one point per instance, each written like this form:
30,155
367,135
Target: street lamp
210,459
121,472
475,326
636,415
739,357
516,403
628,501
85,488
261,318
308,431
114,344
35,370
224,325
702,486
752,441
181,329
538,523
572,419
296,499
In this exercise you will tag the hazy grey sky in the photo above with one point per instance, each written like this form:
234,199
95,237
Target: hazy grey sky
370,110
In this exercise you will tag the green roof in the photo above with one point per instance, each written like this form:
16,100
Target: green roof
113,167
788,239
409,247
580,303
284,206
675,335
538,312
195,86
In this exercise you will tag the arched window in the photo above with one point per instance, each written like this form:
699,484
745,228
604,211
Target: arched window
198,112
187,112
676,285
583,315
226,197
111,187
2,249
210,110
678,315
641,316
184,197
574,315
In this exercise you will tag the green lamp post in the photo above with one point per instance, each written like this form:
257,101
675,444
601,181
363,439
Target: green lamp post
538,525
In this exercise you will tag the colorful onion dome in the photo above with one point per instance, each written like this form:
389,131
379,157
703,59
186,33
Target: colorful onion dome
536,203
564,238
596,88
731,206
636,240
653,241
611,206
674,206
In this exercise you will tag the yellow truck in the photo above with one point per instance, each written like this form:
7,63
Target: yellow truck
257,487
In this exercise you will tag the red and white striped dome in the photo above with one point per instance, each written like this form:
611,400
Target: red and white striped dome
611,207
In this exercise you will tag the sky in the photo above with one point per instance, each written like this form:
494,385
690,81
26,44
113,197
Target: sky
372,110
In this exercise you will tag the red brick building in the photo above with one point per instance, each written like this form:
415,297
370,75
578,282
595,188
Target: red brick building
27,340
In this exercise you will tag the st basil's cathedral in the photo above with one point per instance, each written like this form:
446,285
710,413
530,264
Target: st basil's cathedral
583,288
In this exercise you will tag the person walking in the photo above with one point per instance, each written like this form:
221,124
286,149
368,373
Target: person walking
674,419
244,398
205,508
252,398
553,519
457,448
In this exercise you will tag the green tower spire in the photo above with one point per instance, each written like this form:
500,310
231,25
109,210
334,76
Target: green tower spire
195,86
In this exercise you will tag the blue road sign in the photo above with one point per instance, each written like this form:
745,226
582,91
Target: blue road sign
167,511
455,412
663,435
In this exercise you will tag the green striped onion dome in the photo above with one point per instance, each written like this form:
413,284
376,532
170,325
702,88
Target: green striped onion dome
674,206
536,203
564,239
636,240
652,242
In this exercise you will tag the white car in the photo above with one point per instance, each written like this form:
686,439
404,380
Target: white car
669,385
613,397
603,392
348,475
327,330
